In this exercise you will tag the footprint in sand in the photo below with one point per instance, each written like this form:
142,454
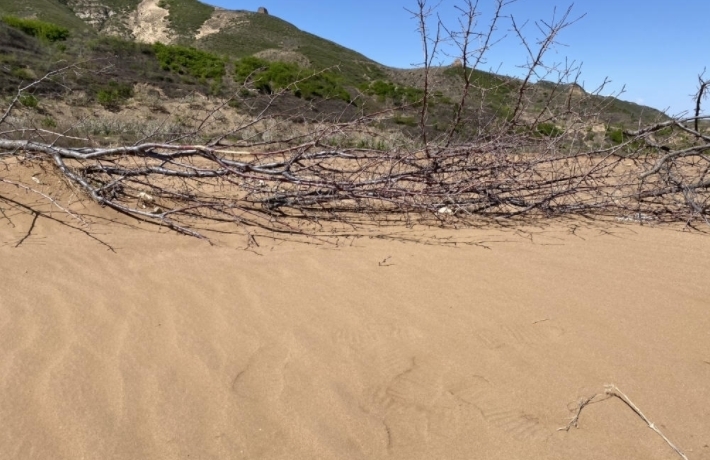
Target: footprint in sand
263,377
425,403
499,410
415,408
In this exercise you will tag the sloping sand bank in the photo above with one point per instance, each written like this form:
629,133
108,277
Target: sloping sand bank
170,348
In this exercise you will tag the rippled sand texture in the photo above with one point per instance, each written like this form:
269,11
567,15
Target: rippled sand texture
170,348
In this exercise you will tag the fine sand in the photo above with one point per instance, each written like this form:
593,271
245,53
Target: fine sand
169,348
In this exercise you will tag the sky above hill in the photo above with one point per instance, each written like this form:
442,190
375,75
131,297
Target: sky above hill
653,49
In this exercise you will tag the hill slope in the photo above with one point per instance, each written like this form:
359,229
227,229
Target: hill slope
121,32
189,22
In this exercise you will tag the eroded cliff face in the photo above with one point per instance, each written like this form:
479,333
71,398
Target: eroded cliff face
219,20
93,12
146,21
102,16
149,23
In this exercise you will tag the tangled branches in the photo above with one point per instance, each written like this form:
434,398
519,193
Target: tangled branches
184,187
296,184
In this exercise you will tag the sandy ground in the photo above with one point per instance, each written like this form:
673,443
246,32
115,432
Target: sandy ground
170,348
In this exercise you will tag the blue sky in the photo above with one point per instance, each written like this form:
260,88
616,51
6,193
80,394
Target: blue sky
655,48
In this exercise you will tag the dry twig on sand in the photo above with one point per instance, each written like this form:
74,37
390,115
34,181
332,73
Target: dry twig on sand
612,391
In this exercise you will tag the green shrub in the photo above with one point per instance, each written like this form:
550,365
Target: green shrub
48,122
386,90
616,135
113,95
216,88
244,93
189,61
268,77
549,130
40,29
120,46
24,74
406,121
29,101
323,85
245,67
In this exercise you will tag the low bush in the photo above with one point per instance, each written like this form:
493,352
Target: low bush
112,96
386,90
29,101
40,29
189,61
267,77
48,122
406,121
616,135
23,73
549,130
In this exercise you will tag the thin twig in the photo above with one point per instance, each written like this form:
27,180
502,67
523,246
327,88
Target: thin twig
613,390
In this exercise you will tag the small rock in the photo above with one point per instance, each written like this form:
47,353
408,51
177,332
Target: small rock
144,199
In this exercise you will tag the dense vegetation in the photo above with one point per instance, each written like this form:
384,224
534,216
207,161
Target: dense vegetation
549,130
114,94
35,28
268,77
191,61
56,12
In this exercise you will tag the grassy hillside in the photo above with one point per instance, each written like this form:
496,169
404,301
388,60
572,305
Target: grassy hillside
186,17
214,65
53,11
258,32
253,33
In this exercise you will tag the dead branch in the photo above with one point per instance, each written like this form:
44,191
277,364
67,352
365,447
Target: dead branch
550,30
700,95
429,51
470,59
306,183
581,404
612,391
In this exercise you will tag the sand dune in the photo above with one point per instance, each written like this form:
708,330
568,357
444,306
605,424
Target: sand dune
170,348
